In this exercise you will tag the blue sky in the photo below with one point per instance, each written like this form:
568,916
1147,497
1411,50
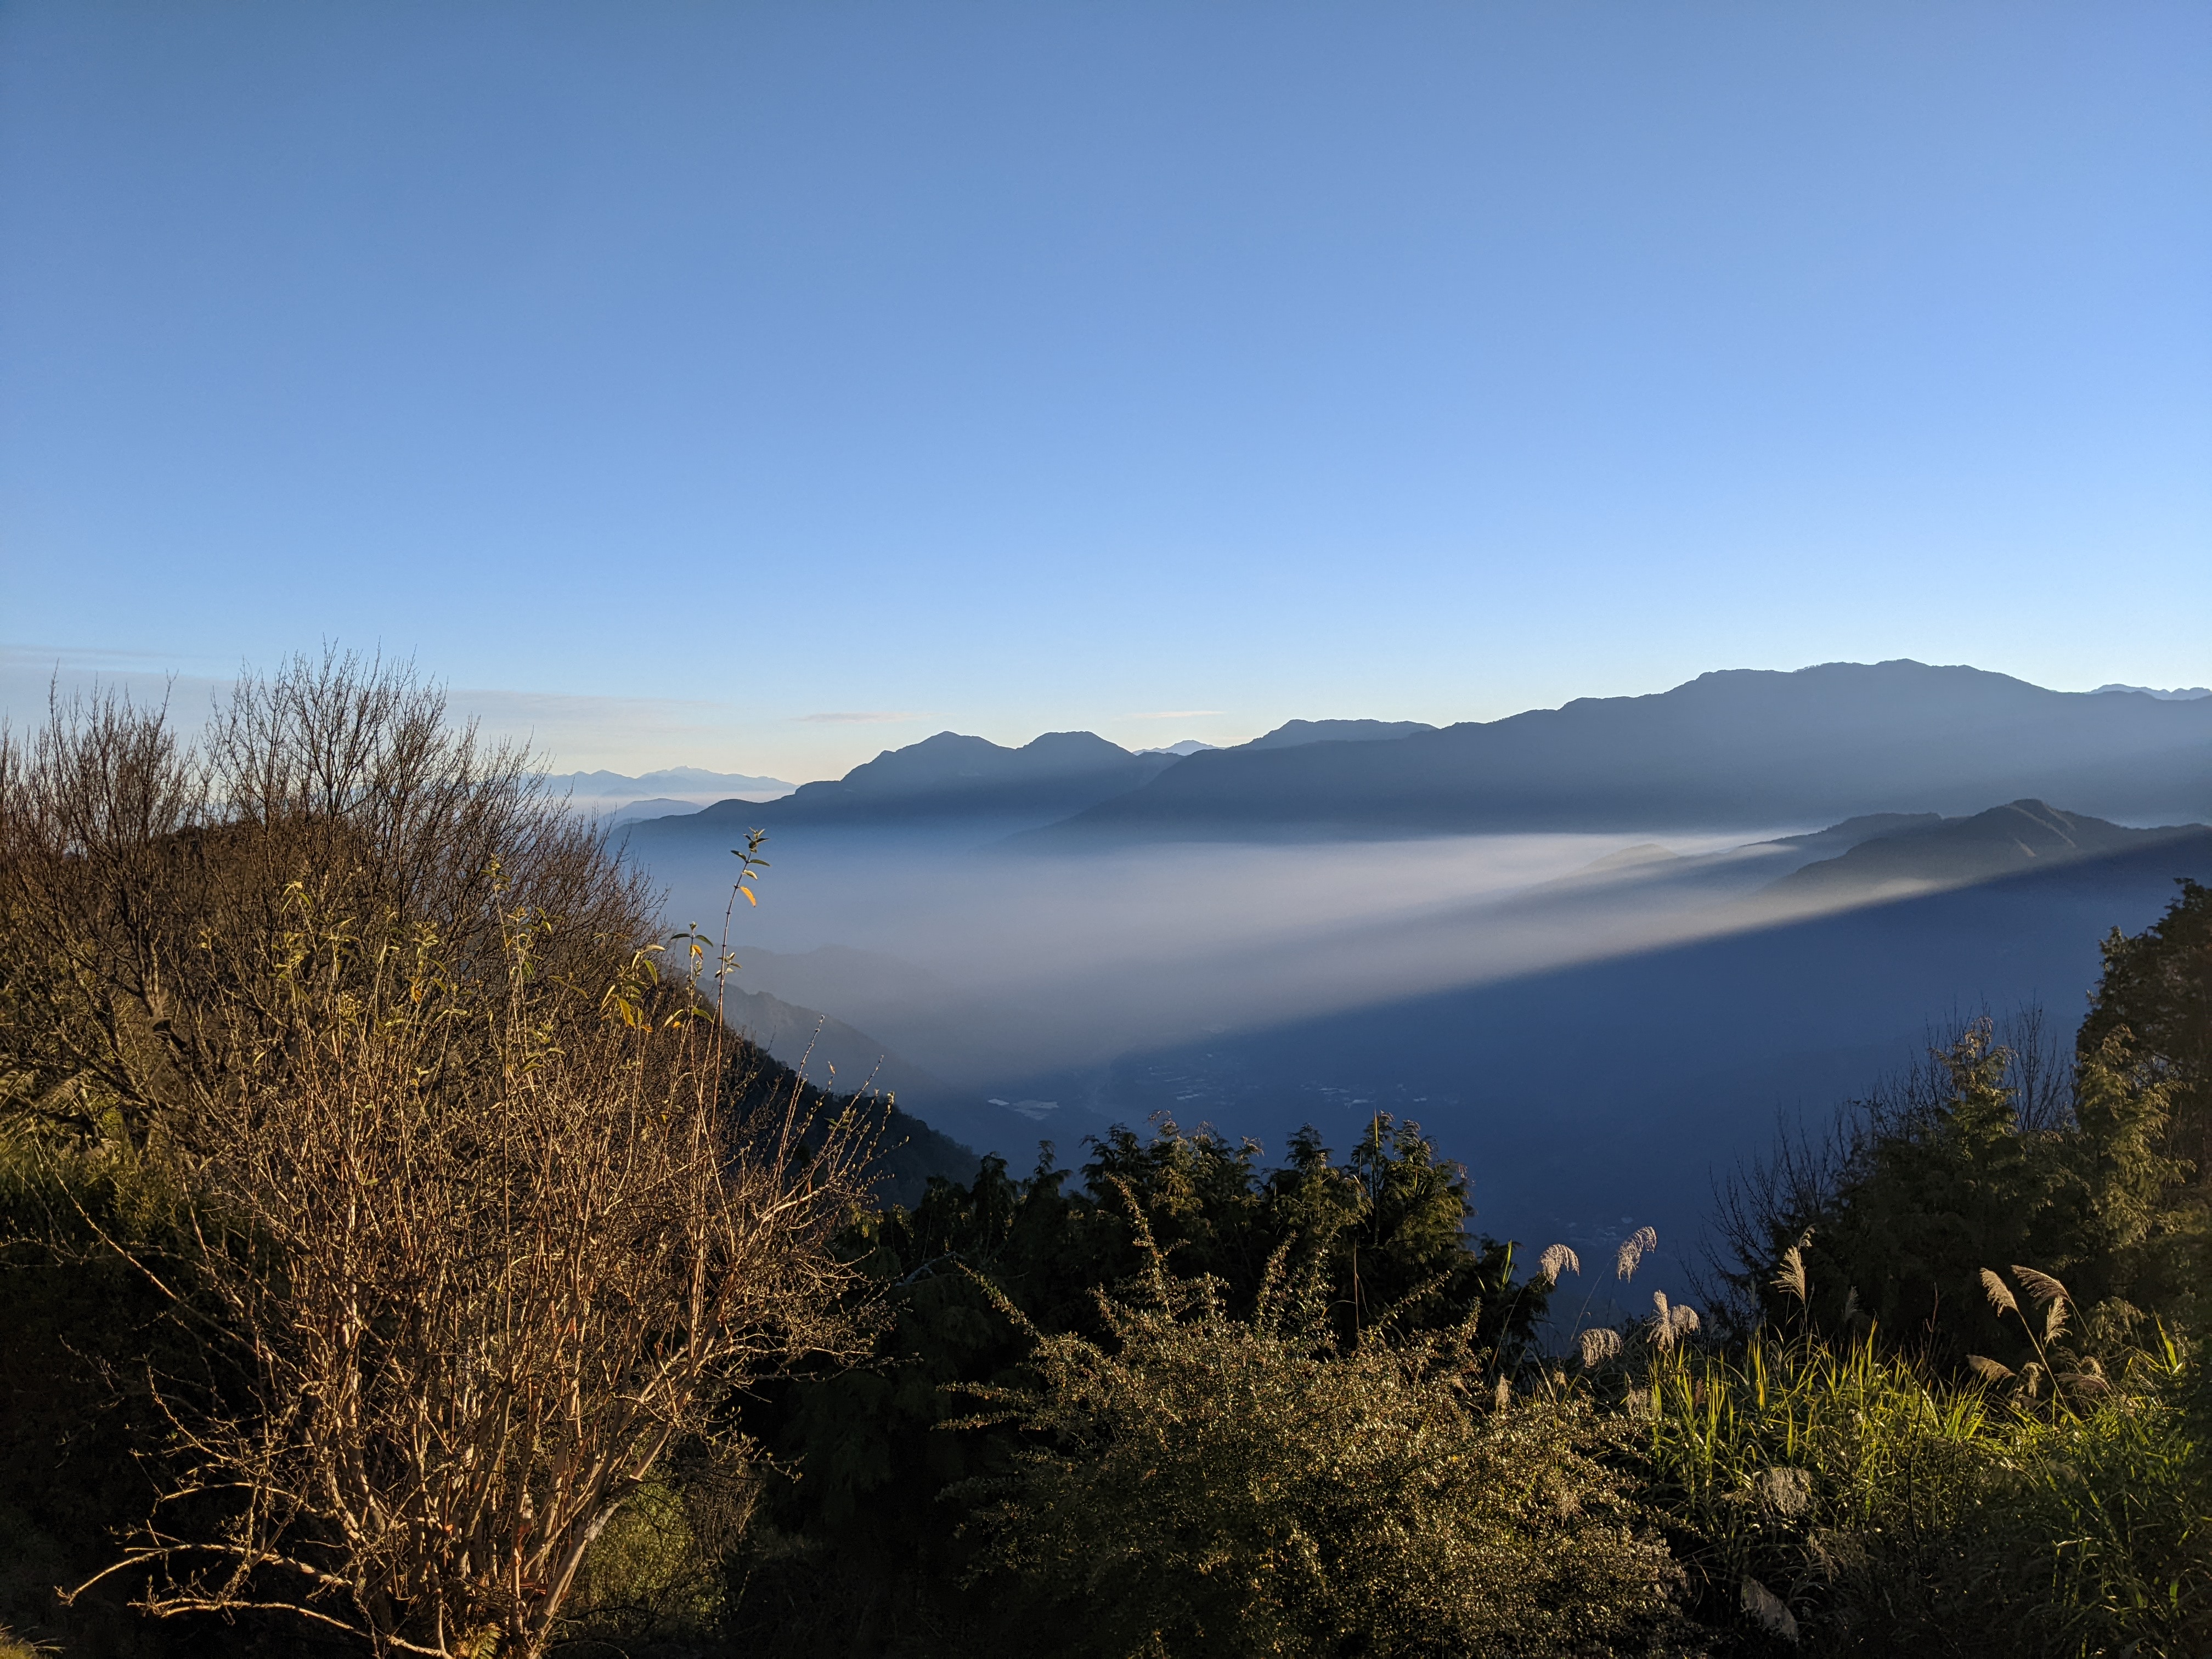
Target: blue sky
682,382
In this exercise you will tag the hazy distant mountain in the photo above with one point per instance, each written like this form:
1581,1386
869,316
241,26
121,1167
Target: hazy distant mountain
2184,693
599,791
1291,733
951,776
660,807
1188,746
1741,747
1956,851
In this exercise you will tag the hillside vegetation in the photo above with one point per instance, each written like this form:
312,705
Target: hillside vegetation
402,1255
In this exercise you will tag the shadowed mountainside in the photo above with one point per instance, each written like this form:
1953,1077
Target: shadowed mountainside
1589,1098
1956,851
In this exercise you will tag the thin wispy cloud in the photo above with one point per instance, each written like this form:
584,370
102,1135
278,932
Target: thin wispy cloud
864,717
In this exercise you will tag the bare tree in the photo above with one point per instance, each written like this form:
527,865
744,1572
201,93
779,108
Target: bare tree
466,1183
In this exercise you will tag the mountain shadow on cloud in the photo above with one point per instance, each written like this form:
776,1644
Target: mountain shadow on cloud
1589,1099
1738,748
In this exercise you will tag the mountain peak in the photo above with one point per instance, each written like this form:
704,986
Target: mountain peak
1293,733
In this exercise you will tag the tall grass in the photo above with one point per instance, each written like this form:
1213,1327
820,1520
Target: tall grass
1847,1500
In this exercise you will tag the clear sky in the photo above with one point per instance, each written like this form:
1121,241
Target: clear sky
687,381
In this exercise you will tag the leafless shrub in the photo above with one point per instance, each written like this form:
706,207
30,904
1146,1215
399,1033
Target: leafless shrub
465,1180
479,1301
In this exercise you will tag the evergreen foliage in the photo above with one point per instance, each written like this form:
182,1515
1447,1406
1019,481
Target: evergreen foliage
967,1278
1195,1481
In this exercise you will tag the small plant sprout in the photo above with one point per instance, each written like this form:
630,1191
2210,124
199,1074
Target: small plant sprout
1633,1249
1557,1259
749,860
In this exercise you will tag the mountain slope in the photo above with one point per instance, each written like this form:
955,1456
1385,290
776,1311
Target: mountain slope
909,1153
1741,747
1956,851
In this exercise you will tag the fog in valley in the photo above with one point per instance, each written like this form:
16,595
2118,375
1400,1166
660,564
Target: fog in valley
1600,1026
980,964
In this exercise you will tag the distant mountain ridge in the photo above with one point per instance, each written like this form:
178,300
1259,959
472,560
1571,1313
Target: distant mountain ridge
953,776
950,775
1738,747
1291,733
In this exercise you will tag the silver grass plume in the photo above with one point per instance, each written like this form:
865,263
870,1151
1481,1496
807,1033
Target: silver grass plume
1789,1489
1633,1249
1989,1371
2049,1295
1790,1280
1598,1344
1666,1323
1769,1610
2090,1379
1557,1259
2000,1295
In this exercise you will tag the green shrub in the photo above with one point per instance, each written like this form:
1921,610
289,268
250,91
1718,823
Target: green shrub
1205,1483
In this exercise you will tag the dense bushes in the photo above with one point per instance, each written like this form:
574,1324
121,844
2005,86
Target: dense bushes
1196,1482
